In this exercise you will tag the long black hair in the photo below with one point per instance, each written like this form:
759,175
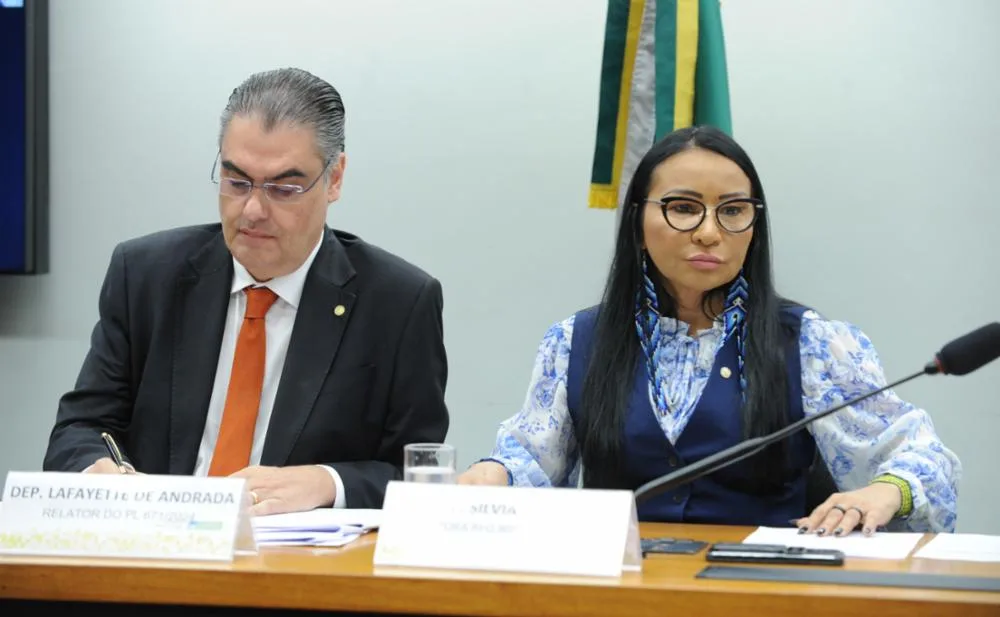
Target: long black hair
607,386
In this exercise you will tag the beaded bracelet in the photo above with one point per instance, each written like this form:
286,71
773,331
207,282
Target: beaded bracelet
904,488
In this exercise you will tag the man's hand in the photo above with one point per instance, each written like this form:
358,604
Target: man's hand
275,490
106,465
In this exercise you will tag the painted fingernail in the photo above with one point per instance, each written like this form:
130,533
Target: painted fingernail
793,521
838,531
868,531
802,530
820,531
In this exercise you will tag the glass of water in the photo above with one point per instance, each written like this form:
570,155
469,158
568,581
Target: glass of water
430,463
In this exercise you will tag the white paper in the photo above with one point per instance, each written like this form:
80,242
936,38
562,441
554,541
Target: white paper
880,545
961,547
320,527
298,538
320,519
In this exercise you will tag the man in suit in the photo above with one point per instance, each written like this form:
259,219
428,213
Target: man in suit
269,346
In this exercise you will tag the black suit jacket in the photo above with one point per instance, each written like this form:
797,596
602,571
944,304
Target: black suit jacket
354,390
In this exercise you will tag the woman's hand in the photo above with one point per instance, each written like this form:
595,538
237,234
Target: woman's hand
870,507
486,472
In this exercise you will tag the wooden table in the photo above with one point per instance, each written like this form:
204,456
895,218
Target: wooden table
343,579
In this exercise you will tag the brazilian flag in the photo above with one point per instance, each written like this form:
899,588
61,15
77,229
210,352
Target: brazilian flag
664,68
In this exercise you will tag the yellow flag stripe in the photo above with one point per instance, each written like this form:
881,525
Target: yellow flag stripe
687,61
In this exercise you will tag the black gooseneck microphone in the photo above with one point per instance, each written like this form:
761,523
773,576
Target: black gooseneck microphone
959,357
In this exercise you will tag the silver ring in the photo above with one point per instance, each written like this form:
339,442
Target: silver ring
256,499
841,508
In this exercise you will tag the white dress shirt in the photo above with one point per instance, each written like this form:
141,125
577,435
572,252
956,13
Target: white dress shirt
278,327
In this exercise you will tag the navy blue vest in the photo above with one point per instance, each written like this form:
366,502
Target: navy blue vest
722,498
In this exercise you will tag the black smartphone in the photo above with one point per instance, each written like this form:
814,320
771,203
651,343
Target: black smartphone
668,546
774,554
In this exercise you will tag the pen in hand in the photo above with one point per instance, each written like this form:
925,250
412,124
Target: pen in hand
116,454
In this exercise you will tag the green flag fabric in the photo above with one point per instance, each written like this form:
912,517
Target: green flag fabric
663,68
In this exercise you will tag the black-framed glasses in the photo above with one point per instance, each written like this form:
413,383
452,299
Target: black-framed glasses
686,213
275,192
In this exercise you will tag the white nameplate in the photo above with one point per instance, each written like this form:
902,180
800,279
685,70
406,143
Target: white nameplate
499,528
146,516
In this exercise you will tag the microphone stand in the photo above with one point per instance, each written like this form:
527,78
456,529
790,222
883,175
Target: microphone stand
748,448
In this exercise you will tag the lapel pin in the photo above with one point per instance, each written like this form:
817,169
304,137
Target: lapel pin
725,372
339,310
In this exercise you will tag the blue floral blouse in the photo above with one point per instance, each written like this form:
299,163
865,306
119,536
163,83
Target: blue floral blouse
882,434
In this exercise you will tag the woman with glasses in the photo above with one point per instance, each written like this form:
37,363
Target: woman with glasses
692,350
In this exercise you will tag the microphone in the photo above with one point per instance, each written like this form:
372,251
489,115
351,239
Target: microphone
959,357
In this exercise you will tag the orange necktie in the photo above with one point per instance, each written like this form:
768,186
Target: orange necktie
239,418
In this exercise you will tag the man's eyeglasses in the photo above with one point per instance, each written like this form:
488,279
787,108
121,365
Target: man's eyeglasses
277,193
686,214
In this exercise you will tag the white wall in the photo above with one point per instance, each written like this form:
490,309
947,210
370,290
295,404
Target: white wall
469,135
874,127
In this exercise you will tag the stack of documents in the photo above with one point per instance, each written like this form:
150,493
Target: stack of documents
880,545
321,527
961,547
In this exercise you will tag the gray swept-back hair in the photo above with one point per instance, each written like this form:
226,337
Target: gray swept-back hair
291,96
